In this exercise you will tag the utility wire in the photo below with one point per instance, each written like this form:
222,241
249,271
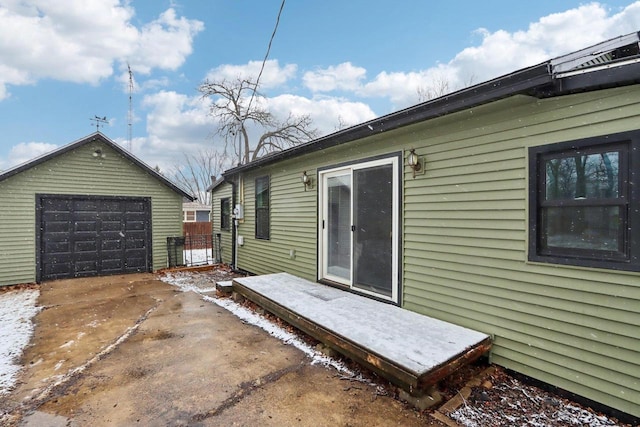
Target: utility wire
264,61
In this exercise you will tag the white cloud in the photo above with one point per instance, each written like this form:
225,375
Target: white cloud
273,74
499,53
179,123
79,41
343,76
26,151
402,89
326,112
554,35
165,43
176,124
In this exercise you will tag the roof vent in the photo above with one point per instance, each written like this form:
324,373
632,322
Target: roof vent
615,52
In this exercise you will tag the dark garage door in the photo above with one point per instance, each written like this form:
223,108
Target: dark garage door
84,236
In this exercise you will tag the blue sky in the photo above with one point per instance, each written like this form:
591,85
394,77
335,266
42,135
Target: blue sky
64,62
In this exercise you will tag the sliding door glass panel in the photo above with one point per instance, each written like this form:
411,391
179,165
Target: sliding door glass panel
339,226
373,232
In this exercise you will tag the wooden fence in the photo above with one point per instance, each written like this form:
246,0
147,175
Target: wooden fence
196,228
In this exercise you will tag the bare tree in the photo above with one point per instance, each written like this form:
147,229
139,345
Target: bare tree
439,87
195,173
342,124
234,105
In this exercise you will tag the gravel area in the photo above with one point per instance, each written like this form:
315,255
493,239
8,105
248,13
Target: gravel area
502,400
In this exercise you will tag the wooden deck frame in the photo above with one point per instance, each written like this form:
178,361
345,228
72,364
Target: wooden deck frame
414,383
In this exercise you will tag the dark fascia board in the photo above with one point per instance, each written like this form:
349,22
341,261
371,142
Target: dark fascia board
94,137
535,80
216,184
610,76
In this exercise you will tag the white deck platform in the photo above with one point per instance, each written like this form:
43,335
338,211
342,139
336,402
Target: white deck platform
395,342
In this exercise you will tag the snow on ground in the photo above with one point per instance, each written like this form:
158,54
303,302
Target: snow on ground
187,282
194,257
17,309
525,405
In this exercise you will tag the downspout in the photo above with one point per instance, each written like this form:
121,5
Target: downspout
234,229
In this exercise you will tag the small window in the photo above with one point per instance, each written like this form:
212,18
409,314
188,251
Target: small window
262,208
190,216
225,214
203,216
582,209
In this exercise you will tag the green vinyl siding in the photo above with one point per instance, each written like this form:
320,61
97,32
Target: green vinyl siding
292,226
78,172
223,191
465,250
464,239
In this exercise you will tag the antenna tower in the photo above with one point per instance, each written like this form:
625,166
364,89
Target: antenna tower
130,115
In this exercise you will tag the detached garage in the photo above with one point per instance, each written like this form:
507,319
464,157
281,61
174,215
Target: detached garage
89,208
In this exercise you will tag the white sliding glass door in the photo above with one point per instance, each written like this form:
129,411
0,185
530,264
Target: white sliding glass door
358,227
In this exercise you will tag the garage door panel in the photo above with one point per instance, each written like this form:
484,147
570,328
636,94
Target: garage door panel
61,247
112,263
111,216
136,225
135,206
57,205
111,245
58,270
85,205
111,225
54,226
55,237
111,205
132,265
85,269
85,251
86,236
82,226
134,235
84,243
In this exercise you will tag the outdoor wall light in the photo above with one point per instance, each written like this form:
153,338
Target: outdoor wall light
306,180
99,153
414,162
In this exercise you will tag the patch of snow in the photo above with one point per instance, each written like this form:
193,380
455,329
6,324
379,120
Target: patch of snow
368,322
185,282
17,309
198,257
538,415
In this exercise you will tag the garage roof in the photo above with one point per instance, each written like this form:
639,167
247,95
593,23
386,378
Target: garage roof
95,137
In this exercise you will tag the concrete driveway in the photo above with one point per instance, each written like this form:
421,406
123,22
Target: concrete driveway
132,350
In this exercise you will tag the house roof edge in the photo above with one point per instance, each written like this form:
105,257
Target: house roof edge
542,81
528,80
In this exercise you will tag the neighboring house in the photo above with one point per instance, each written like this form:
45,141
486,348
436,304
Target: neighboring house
195,212
89,208
519,217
